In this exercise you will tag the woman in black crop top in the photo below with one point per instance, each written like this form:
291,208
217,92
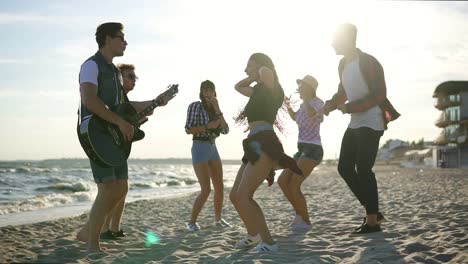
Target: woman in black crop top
262,149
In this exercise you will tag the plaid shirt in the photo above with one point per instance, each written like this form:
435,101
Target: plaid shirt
309,127
198,116
373,74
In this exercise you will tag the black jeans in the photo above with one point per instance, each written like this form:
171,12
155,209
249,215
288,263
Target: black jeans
357,157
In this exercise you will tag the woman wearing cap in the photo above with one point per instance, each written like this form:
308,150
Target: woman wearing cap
262,149
205,122
310,152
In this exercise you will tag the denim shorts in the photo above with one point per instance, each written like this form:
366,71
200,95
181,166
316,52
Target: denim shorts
260,128
254,145
204,151
309,151
103,174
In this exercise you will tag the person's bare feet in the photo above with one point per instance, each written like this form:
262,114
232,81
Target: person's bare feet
83,234
95,250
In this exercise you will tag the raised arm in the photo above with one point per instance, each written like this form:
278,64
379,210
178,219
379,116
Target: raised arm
219,115
291,112
267,77
243,86
139,106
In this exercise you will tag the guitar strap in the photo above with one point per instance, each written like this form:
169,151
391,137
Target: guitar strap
125,97
79,112
78,126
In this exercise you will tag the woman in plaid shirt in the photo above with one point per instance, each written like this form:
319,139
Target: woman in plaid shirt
205,122
310,151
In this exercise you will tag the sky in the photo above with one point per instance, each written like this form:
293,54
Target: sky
419,44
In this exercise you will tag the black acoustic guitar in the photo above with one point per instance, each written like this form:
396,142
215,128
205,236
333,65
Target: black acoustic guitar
104,143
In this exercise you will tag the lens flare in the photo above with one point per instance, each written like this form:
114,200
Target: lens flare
151,239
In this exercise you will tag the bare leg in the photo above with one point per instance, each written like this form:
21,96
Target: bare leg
216,169
250,211
112,221
106,225
117,212
298,199
82,235
116,216
108,195
233,196
202,171
284,182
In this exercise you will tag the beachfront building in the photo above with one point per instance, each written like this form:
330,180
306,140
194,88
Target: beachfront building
390,150
451,98
406,154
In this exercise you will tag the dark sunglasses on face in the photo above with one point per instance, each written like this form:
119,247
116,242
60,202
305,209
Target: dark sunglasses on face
120,37
132,77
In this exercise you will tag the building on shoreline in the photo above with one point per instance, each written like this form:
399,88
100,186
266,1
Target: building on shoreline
408,154
451,98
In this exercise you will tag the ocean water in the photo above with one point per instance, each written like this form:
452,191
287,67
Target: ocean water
34,191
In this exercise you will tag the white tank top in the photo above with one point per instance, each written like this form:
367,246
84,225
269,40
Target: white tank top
356,88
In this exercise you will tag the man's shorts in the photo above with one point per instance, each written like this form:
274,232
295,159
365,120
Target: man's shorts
103,174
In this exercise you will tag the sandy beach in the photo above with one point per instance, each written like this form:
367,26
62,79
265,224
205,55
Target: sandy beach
427,212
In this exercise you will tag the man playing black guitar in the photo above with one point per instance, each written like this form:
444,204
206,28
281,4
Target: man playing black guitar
111,228
101,94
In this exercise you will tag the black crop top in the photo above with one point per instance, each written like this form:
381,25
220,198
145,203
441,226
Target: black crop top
262,105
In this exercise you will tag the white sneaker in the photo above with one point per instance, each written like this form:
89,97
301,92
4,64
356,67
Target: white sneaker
193,227
248,241
263,247
296,220
301,227
222,223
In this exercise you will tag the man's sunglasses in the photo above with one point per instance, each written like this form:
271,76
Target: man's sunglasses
132,77
120,37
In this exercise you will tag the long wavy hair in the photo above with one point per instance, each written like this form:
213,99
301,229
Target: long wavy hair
262,59
208,107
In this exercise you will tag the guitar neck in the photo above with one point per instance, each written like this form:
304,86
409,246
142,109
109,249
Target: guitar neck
154,103
169,93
